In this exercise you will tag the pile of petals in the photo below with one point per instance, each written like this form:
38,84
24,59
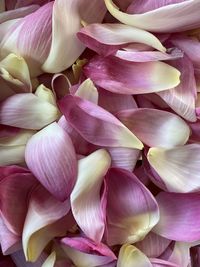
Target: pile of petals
100,133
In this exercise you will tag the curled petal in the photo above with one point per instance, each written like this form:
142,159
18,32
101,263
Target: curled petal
120,76
43,222
45,94
85,197
50,261
155,127
178,167
60,85
97,125
131,256
179,216
169,18
27,111
131,209
88,91
107,38
51,157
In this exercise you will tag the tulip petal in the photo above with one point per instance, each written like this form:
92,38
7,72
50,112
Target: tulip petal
170,18
179,216
178,167
107,38
85,197
51,157
120,76
96,125
182,98
66,22
27,111
131,209
43,222
131,256
155,127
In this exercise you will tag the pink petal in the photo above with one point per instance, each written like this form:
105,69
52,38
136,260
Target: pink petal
43,222
66,21
182,98
85,198
27,111
179,216
51,157
97,125
22,3
169,18
105,39
120,76
156,127
181,254
131,209
60,85
162,263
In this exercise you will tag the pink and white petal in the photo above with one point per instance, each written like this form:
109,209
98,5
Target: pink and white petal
51,157
169,18
131,256
96,125
179,216
60,85
88,91
22,3
45,94
20,137
177,167
107,38
85,197
153,245
155,127
162,263
66,18
124,158
27,111
121,76
43,222
114,103
182,98
181,254
50,261
132,210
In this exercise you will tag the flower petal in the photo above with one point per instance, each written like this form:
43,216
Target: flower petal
50,261
43,222
131,256
85,197
88,91
162,263
131,209
27,111
66,22
170,18
20,261
12,155
51,157
155,127
120,76
96,125
179,216
178,167
107,38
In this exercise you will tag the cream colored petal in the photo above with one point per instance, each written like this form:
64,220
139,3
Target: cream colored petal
88,91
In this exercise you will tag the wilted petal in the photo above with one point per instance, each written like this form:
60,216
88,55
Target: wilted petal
85,197
169,18
120,76
155,127
66,21
51,157
88,91
45,220
27,111
179,216
131,209
130,256
97,125
178,168
105,39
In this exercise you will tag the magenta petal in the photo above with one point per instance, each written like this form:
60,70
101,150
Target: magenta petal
51,157
179,216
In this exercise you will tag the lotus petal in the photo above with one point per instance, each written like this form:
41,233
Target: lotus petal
20,261
60,85
88,91
155,127
121,76
51,157
162,263
177,167
179,216
27,111
45,94
131,209
50,261
85,198
169,18
97,125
